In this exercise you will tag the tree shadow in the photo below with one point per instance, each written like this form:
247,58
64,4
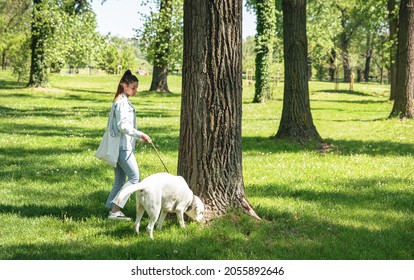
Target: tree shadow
341,147
348,92
364,193
290,236
12,84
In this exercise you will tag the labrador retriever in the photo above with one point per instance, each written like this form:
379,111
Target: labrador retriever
163,193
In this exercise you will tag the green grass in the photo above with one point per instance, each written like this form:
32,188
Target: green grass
354,202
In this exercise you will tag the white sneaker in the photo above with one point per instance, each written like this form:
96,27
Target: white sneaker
118,216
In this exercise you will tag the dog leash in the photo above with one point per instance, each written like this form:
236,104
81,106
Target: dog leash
155,149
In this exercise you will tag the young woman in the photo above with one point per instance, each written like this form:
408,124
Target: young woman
124,122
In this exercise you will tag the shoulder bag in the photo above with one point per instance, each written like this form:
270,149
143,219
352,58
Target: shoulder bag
108,149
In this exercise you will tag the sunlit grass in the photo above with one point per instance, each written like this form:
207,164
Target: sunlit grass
355,201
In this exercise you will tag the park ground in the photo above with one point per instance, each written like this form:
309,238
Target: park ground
352,199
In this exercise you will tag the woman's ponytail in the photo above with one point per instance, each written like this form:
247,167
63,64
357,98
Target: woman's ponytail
127,79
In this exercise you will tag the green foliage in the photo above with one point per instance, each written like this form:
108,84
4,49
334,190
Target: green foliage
14,15
117,52
161,36
323,28
248,53
20,59
351,200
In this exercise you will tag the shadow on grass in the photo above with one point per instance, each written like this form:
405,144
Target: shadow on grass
359,193
348,92
341,147
12,84
286,232
234,236
80,112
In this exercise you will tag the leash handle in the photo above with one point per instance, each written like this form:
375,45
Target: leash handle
155,149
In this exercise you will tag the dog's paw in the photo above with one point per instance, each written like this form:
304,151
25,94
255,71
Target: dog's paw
136,229
150,233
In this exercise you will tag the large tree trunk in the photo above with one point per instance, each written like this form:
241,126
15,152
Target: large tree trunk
404,94
393,26
162,48
296,122
210,154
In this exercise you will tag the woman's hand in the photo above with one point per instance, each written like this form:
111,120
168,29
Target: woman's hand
146,138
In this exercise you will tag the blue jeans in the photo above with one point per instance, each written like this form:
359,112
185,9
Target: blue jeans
126,166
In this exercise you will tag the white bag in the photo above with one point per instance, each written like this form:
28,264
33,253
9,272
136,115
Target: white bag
108,149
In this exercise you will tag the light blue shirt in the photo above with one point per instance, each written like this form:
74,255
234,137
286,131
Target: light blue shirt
124,122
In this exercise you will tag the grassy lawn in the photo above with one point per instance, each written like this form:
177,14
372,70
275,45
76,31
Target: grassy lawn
354,202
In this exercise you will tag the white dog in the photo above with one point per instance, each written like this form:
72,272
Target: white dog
163,193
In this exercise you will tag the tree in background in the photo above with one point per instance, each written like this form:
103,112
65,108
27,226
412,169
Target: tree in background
266,30
248,53
296,123
41,29
161,37
76,7
350,22
404,94
322,31
14,14
392,8
210,154
62,32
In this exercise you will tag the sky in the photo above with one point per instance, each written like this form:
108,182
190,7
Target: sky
119,17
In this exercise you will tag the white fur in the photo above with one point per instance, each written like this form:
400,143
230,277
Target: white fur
163,193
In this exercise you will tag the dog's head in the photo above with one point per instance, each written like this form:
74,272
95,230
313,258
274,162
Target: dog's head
196,210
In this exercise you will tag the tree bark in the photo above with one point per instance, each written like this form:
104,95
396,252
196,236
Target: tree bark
404,94
296,122
210,154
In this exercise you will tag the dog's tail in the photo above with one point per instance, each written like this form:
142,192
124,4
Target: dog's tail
127,189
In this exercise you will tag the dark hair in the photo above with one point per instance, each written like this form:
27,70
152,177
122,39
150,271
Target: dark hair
127,78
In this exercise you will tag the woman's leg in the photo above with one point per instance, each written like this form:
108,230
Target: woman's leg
119,181
128,165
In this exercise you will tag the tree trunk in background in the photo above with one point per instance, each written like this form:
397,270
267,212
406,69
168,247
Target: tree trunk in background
159,78
404,94
160,69
367,69
345,57
4,59
38,67
332,65
210,153
368,57
266,29
296,122
393,27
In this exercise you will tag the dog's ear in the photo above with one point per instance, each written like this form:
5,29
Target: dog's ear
192,205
